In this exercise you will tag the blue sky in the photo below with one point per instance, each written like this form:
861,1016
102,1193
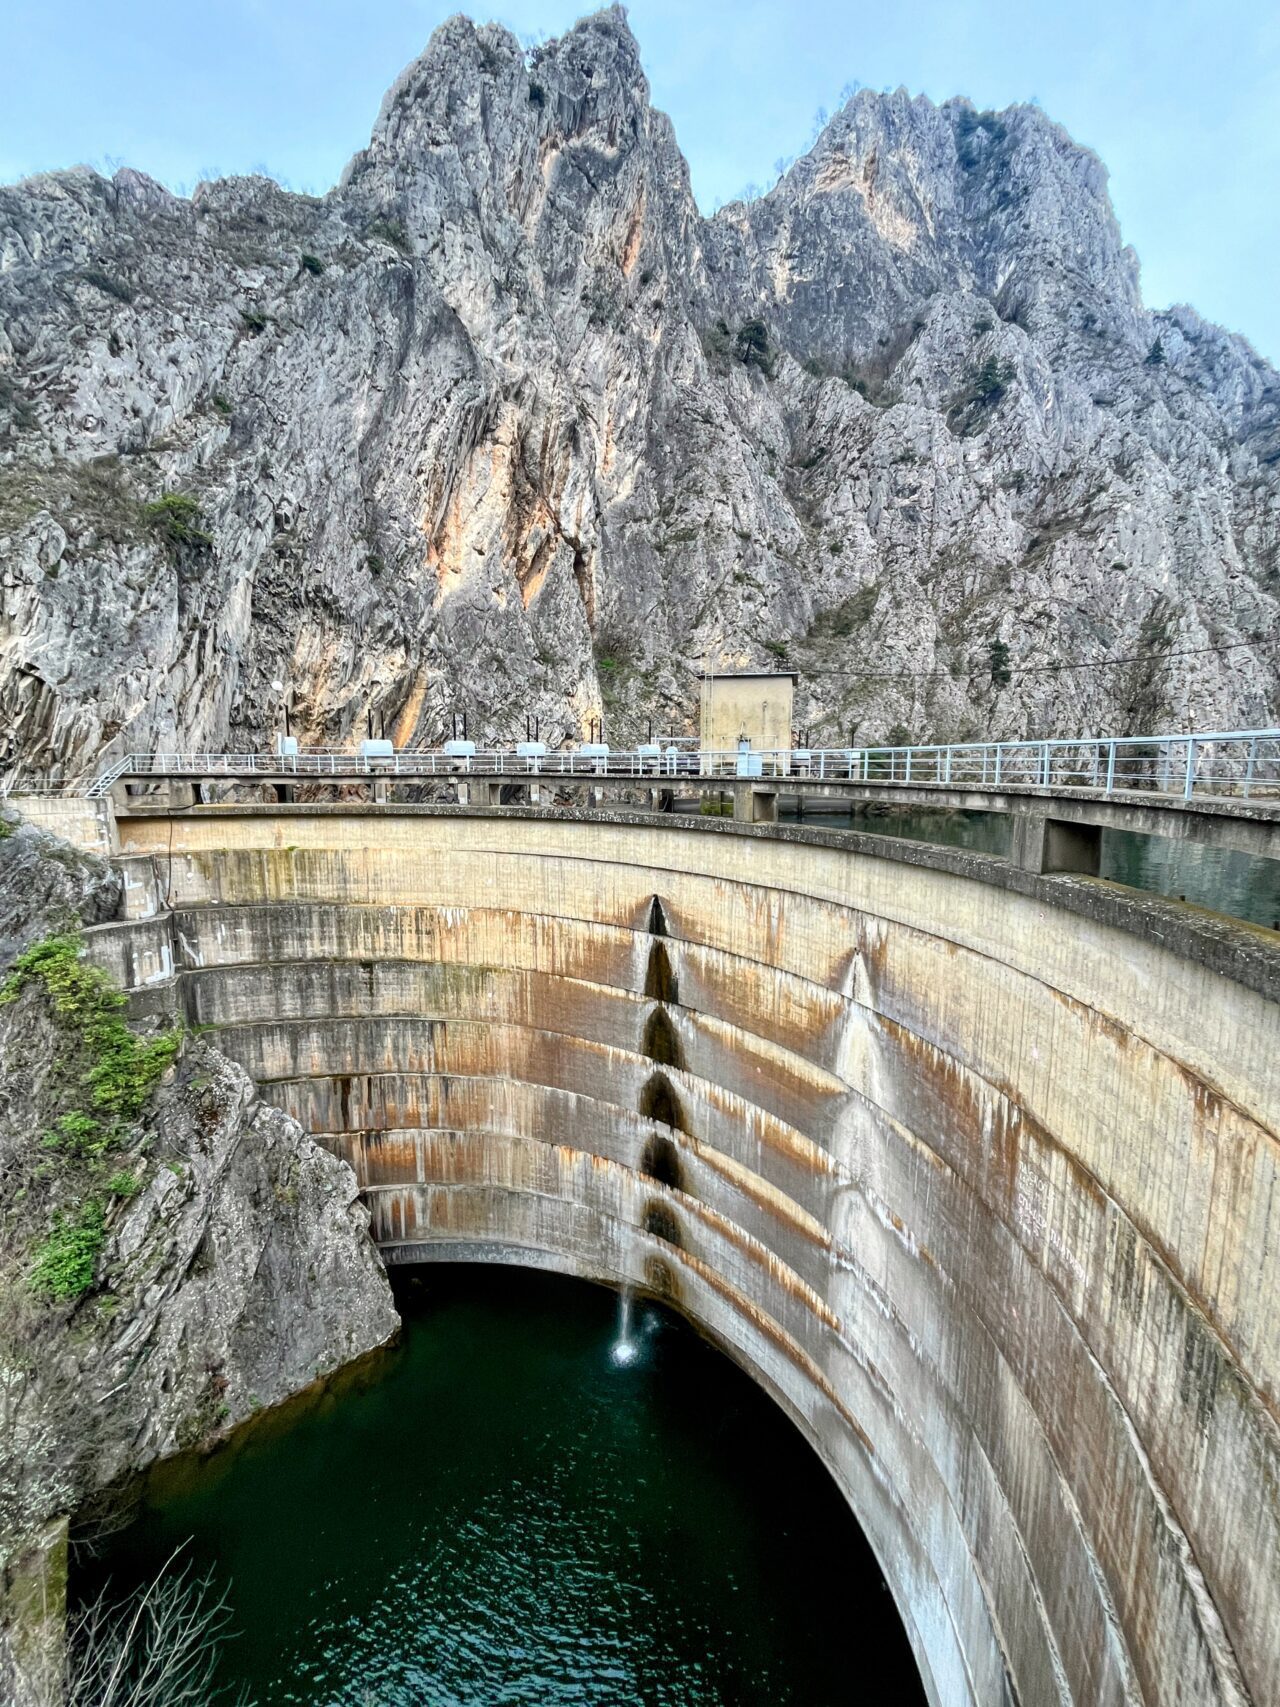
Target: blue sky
1181,99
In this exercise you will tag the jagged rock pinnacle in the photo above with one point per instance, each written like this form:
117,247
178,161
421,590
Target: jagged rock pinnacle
504,423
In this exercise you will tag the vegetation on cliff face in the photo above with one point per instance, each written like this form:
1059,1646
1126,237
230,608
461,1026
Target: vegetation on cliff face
103,1076
175,517
76,1083
119,1069
173,1254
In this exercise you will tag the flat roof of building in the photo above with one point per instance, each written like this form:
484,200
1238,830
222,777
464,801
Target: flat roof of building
748,675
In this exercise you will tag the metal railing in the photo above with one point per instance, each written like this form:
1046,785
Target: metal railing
1244,763
1239,762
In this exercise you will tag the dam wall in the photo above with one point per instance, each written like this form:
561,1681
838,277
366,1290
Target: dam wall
974,1170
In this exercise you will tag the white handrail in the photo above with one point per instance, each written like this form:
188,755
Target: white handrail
1235,761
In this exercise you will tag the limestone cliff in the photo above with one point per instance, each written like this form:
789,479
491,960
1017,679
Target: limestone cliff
173,1253
502,423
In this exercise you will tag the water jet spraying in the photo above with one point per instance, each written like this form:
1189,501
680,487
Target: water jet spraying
625,1349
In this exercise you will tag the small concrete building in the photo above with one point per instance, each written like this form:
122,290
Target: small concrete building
756,704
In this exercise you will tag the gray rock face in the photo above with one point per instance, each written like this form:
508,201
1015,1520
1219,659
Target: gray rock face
235,1268
46,884
240,1273
247,1265
482,428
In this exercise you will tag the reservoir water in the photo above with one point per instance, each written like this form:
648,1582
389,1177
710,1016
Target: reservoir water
1221,879
500,1512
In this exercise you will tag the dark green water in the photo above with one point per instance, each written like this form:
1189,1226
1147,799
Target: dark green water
503,1516
1218,878
1239,884
984,832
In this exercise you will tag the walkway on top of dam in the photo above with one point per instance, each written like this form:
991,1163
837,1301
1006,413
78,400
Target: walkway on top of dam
1219,789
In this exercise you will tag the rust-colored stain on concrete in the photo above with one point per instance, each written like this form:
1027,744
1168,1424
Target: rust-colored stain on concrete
983,1190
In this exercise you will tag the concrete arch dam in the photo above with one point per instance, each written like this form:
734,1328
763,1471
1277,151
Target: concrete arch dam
975,1170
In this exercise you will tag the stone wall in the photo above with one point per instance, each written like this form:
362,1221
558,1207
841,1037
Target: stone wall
975,1171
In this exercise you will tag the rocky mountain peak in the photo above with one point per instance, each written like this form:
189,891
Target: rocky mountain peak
504,424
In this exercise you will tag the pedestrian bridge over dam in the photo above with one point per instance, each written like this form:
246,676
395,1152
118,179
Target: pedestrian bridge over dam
974,1168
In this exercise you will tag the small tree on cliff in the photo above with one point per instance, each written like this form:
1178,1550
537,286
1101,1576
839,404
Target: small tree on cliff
753,348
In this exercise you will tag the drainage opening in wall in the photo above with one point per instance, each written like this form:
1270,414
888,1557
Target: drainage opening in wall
660,982
660,1161
658,1101
660,1222
497,1513
660,1280
660,1042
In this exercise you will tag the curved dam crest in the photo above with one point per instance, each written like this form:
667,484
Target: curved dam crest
974,1171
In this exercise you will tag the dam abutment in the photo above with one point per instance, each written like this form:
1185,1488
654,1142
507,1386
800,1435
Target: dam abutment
974,1168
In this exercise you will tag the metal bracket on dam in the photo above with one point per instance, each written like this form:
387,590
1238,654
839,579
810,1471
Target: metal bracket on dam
973,1163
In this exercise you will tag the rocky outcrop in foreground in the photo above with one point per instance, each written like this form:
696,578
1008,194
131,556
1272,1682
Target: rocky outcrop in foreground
174,1255
503,424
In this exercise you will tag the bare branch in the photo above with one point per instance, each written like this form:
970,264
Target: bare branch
159,1647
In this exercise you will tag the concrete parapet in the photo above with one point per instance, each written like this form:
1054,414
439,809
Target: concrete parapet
480,792
1049,845
87,824
753,804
